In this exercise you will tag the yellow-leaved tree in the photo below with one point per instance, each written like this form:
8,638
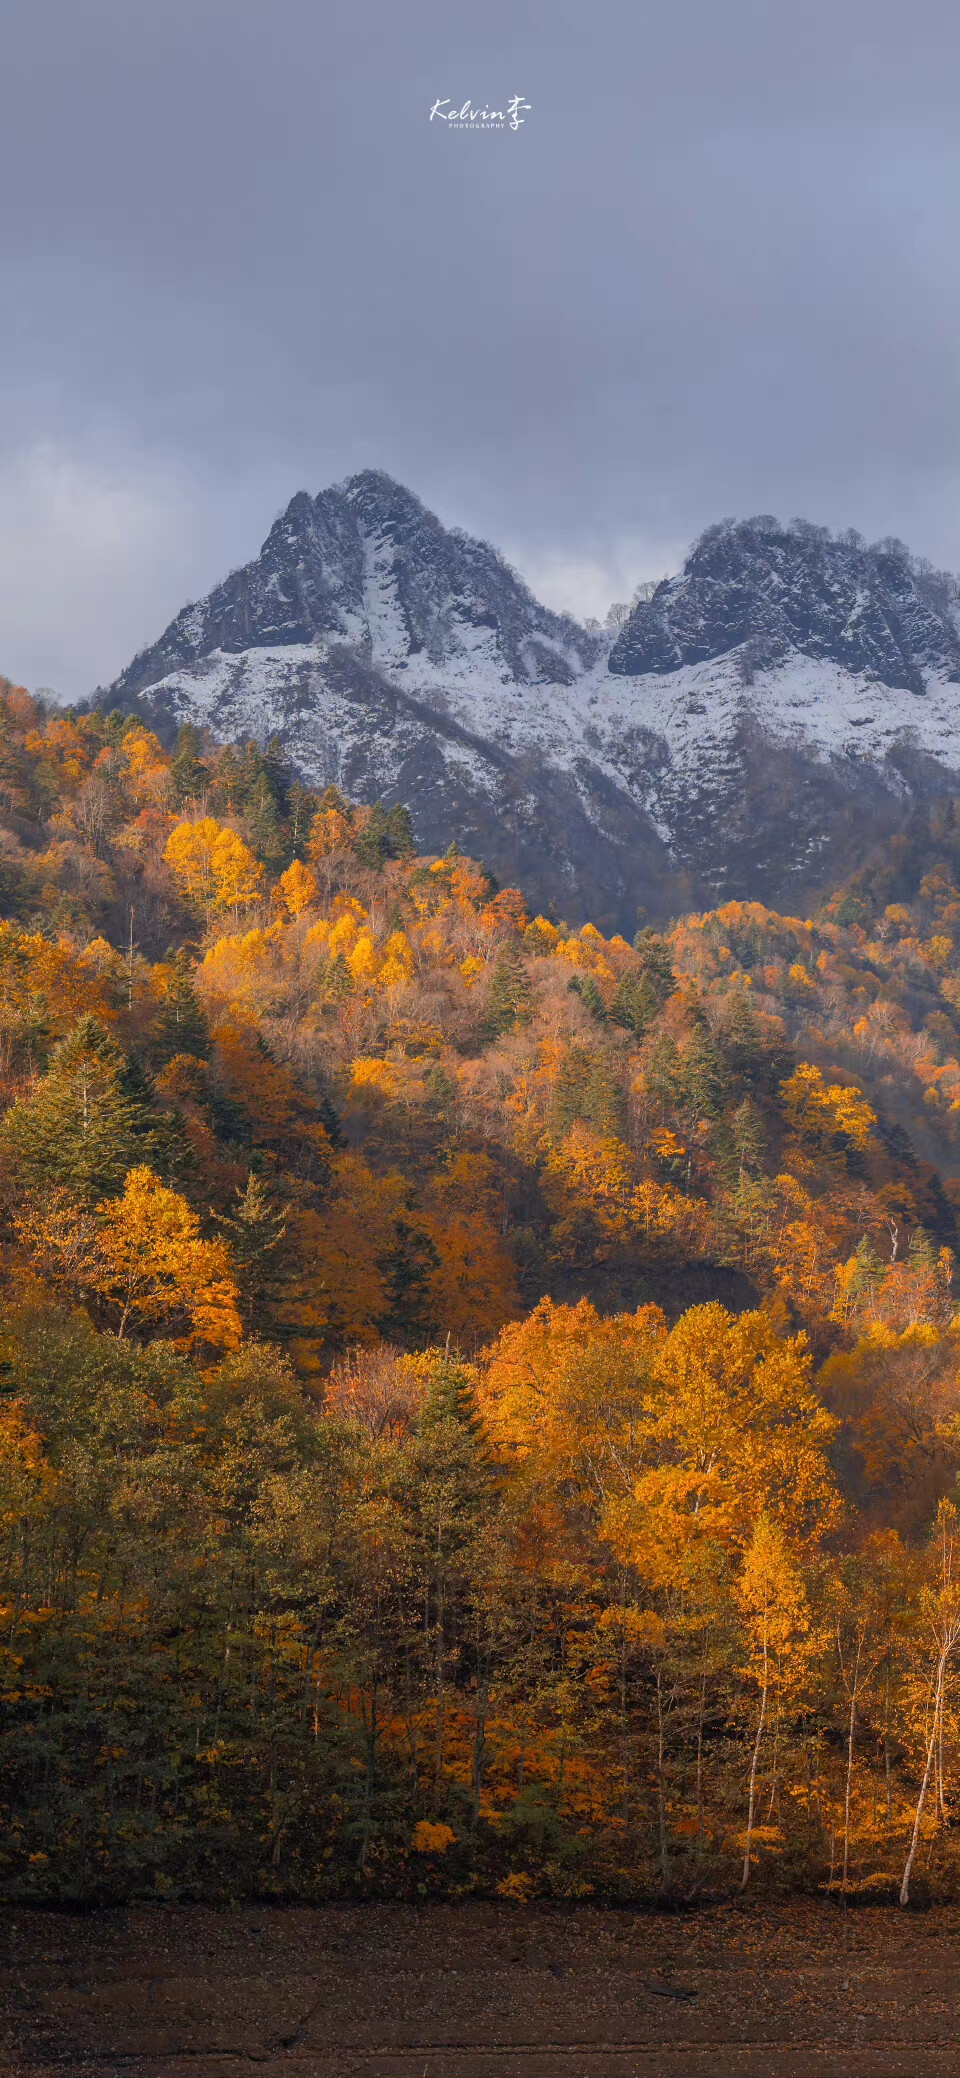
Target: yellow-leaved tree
297,888
817,1110
151,1267
213,865
731,1428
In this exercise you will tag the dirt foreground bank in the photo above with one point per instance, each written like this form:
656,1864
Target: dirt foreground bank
797,1990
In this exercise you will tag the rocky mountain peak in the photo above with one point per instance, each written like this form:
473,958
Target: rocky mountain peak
760,722
365,563
873,610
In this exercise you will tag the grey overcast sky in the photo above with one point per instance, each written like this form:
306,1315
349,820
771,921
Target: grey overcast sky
713,273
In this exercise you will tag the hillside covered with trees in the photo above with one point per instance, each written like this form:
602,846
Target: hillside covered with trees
478,1399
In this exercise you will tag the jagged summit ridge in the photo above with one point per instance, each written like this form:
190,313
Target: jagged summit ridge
750,729
876,611
367,564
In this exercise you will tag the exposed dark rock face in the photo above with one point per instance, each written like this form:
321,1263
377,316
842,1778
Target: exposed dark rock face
755,728
366,563
872,610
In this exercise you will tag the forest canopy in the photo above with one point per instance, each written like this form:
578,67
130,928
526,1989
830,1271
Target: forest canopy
478,1399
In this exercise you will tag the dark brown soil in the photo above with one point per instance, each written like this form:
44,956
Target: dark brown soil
796,1990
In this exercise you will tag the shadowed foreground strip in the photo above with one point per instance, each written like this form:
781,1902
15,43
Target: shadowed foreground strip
481,1991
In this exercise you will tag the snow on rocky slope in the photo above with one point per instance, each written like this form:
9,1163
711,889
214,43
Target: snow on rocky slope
750,731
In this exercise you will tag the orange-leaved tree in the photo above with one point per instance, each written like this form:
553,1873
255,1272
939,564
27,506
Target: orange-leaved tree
213,865
731,1428
152,1268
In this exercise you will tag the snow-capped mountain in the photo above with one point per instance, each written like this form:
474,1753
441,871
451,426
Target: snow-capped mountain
749,731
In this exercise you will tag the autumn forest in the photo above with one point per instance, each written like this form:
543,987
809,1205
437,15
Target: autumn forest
478,1397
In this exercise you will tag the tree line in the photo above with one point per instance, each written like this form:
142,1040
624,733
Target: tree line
477,1397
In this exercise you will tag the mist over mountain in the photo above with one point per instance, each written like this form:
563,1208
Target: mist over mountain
750,731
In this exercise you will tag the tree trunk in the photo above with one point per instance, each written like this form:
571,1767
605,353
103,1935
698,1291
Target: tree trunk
751,1806
850,1737
479,1753
921,1800
369,1780
662,1784
700,1718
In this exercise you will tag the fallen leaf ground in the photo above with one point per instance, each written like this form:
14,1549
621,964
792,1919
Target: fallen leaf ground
479,1990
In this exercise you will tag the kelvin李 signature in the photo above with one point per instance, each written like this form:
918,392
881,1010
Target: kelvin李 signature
470,118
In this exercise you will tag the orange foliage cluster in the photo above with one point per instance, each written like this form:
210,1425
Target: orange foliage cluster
449,1107
282,1100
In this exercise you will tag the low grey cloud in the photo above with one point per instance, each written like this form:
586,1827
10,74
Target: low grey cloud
712,273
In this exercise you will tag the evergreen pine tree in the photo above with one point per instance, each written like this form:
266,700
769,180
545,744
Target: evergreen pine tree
255,1230
230,779
163,1142
703,1080
337,981
401,833
407,1267
748,1137
87,1122
740,1034
329,1119
386,834
569,1099
655,963
587,1088
749,1054
635,1003
920,1254
869,1268
604,1103
584,986
180,1025
263,824
190,775
511,997
441,1092
273,768
665,1070
451,1397
303,806
372,843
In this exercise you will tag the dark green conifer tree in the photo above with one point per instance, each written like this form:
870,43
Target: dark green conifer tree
180,1025
337,981
703,1080
387,834
869,1268
748,1137
605,1106
920,1253
587,1088
584,986
255,1229
303,805
665,1072
635,1004
87,1122
655,963
401,832
407,1266
190,775
451,1397
511,996
372,843
569,1098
